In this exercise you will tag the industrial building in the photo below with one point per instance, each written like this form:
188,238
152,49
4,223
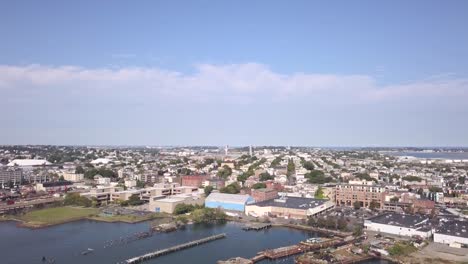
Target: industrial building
400,224
453,233
289,207
168,204
225,201
58,186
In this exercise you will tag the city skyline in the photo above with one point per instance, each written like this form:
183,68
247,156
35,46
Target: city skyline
208,73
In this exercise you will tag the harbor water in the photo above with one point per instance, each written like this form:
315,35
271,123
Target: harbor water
116,242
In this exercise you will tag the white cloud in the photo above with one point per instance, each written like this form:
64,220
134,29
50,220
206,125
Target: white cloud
243,83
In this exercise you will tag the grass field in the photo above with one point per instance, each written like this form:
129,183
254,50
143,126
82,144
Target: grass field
56,215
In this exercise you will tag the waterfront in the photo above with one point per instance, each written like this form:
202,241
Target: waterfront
430,155
65,243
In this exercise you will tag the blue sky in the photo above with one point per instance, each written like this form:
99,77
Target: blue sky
317,73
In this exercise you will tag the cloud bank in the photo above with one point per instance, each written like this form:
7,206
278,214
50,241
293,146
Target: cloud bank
234,83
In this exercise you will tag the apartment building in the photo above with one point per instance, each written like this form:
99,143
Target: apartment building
349,194
13,175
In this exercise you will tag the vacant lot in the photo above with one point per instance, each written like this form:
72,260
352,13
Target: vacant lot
56,215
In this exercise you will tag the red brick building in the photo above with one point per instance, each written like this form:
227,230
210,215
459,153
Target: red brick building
348,194
264,194
274,185
193,180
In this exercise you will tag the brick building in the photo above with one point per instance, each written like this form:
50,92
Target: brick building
194,180
274,185
348,194
264,194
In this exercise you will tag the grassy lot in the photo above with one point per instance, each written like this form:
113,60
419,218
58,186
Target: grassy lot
56,215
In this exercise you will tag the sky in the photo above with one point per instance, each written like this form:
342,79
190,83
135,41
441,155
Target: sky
308,73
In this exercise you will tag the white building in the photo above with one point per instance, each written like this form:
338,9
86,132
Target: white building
130,183
73,177
28,162
289,207
100,161
453,233
102,180
400,224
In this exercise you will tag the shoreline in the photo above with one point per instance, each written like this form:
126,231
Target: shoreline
21,223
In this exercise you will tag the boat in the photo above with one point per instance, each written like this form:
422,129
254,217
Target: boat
86,252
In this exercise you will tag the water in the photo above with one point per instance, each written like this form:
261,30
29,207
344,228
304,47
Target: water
65,243
432,155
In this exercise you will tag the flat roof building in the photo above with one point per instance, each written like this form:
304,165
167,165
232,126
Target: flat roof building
168,204
400,224
289,207
453,233
349,194
233,202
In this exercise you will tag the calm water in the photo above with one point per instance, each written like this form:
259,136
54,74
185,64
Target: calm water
66,242
432,155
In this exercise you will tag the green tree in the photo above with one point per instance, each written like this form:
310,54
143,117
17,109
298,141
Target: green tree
412,179
208,215
357,205
308,165
140,184
291,169
76,199
342,224
79,170
208,189
232,188
357,231
224,172
244,176
374,205
276,161
135,200
259,185
183,209
265,176
317,177
319,193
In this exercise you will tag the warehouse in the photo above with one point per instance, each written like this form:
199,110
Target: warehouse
225,201
400,224
453,233
289,207
168,204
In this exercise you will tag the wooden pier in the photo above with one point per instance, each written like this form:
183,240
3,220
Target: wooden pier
161,252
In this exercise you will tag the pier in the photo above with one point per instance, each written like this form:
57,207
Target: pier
161,252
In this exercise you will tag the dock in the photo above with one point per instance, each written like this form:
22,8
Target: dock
256,226
302,247
166,251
